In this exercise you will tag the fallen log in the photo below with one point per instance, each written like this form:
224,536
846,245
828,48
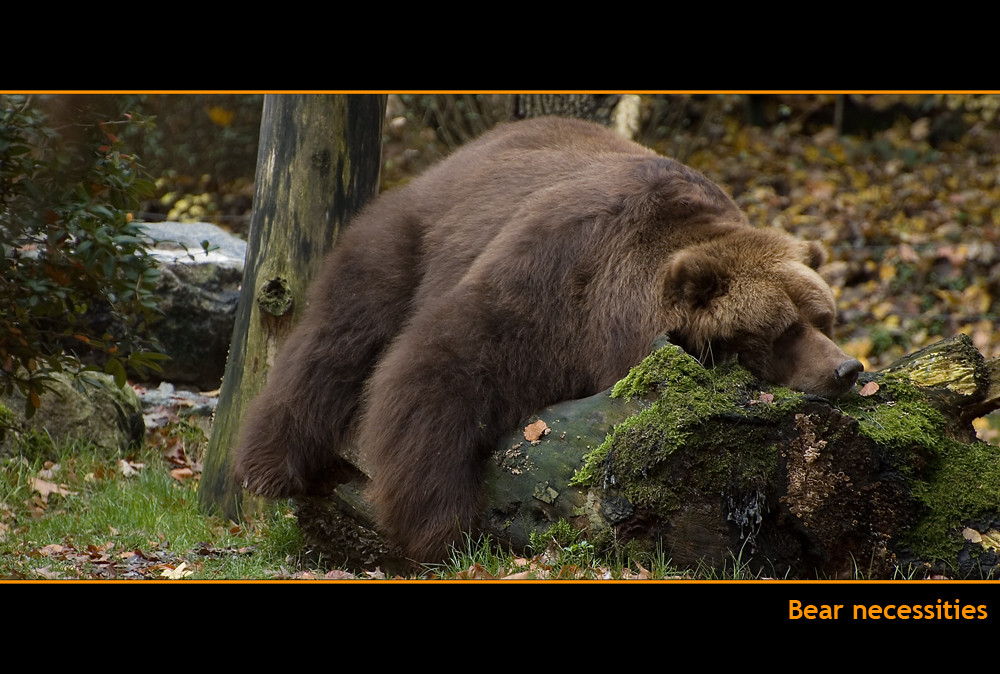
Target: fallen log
711,467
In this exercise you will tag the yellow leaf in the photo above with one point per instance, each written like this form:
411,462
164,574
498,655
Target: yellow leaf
220,116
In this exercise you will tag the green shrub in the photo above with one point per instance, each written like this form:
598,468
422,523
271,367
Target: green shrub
75,277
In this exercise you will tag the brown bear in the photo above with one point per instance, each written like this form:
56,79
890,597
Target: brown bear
536,264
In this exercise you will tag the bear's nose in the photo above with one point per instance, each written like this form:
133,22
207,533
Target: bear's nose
849,371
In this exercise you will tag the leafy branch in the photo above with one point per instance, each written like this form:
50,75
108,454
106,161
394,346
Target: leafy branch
75,277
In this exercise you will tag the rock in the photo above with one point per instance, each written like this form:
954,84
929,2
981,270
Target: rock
197,293
179,239
166,403
89,408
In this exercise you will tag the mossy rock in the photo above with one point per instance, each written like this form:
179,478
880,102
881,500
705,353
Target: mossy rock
86,408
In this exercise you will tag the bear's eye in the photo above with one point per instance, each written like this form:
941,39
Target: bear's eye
824,324
790,334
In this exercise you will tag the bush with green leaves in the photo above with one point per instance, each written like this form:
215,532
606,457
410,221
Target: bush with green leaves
75,276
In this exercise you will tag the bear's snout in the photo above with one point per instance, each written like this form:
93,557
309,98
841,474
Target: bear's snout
847,373
808,361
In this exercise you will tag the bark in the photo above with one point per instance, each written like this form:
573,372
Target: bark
712,467
318,163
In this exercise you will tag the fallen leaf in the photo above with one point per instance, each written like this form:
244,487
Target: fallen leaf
180,474
179,572
48,573
972,535
534,432
869,389
44,488
128,469
475,572
52,549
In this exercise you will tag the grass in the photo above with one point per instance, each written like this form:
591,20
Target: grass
562,554
74,512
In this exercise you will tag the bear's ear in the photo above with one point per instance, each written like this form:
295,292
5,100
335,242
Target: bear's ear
697,278
815,255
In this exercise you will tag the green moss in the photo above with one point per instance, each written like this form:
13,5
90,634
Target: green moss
897,416
666,367
964,487
690,407
673,373
953,482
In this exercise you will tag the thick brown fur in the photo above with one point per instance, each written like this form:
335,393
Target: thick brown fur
536,264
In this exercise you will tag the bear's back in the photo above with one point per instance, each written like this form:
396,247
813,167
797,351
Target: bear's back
523,183
513,160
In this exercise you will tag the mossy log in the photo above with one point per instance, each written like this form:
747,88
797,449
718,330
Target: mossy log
710,466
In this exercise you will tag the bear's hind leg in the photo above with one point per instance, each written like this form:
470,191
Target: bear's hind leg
426,448
307,409
443,394
290,430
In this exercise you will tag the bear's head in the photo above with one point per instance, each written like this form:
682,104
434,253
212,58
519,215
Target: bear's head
755,294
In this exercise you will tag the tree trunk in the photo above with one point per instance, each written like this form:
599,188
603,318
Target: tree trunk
318,163
592,107
717,467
